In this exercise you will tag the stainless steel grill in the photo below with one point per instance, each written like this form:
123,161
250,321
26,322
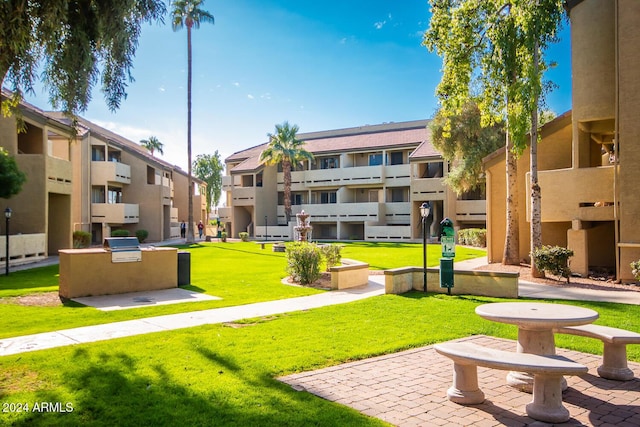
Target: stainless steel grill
123,249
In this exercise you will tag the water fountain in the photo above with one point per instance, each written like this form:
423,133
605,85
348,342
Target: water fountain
302,229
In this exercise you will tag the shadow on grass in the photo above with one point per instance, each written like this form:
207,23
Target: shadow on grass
200,390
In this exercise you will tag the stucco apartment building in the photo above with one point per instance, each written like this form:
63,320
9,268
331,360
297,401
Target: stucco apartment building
97,182
588,157
365,183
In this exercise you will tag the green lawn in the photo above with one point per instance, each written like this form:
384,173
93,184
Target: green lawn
225,374
239,273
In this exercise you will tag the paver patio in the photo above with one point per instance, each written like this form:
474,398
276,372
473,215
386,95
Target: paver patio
409,389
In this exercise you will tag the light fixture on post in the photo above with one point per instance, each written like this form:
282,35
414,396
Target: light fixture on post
425,210
7,215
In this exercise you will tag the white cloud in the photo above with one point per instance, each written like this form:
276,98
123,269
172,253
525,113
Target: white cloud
265,96
343,40
379,24
250,96
236,84
161,89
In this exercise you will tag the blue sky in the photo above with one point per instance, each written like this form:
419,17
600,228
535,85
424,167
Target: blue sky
320,65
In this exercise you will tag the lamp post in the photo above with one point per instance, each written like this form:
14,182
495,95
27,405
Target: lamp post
266,236
425,210
7,215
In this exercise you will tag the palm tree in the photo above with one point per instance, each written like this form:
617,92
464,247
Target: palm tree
152,144
285,148
187,13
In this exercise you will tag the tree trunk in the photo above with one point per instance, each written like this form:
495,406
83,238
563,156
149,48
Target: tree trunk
511,255
286,171
536,208
190,236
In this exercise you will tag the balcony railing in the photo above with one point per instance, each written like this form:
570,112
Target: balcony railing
427,189
385,232
471,210
585,194
227,183
103,173
244,196
337,211
115,213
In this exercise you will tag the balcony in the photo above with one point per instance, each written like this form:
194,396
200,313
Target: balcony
59,175
385,232
427,189
115,213
103,173
243,196
584,194
471,210
225,214
338,211
397,213
397,175
227,183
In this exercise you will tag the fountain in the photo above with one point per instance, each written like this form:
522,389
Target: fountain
302,229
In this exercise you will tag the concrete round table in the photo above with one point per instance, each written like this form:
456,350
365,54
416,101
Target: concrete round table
535,322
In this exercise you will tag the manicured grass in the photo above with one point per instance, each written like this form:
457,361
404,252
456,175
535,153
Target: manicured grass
225,374
384,256
239,273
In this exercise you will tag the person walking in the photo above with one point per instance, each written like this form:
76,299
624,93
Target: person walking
200,229
183,229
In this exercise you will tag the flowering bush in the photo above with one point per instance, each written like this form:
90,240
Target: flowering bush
303,262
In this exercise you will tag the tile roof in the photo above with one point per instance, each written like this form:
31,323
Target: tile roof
364,138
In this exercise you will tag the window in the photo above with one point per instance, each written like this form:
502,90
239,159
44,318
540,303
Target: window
97,195
375,159
296,199
259,179
398,195
114,195
97,153
396,158
329,163
327,197
114,156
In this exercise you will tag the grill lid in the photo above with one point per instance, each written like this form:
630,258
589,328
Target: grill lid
116,244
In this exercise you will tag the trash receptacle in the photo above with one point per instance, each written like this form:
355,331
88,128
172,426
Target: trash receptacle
184,268
446,273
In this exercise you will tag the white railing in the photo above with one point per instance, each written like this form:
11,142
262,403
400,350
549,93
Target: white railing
23,248
272,232
386,232
115,213
104,172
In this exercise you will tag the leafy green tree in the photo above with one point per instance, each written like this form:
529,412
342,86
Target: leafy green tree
187,13
285,148
11,177
153,144
209,168
465,144
496,49
78,42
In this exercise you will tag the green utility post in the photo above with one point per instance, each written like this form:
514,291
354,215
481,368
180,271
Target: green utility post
448,242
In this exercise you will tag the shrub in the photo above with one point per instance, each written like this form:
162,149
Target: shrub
81,239
331,254
120,233
244,236
223,236
554,260
142,235
635,269
473,237
303,262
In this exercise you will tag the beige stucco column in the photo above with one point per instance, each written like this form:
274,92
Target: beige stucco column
577,241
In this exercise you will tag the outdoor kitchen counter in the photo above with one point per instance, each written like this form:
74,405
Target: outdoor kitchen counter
90,272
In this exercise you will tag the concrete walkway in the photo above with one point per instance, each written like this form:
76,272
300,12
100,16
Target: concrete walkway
168,322
375,287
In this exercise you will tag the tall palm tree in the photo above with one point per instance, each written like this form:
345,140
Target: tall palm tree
286,149
187,13
152,144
